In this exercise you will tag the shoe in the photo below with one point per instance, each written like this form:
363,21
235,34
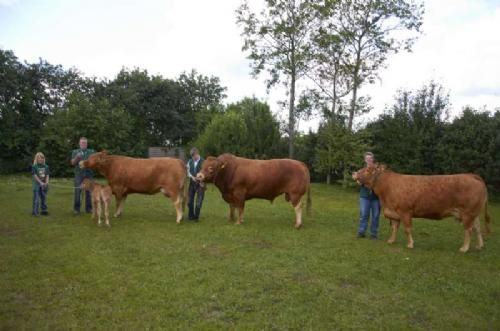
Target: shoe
76,212
373,237
45,213
34,215
361,235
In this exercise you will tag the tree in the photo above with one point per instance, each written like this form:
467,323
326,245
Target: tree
339,150
407,136
263,137
159,107
226,133
356,37
278,41
105,126
205,95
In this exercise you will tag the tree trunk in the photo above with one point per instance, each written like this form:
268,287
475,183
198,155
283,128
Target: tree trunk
355,88
328,178
291,117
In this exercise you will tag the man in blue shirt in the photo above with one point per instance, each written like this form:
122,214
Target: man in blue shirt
196,188
368,201
78,155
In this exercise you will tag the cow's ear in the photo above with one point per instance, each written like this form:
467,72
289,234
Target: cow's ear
104,152
223,165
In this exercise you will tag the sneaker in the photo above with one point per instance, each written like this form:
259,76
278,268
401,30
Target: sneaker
361,235
373,237
76,212
34,215
45,213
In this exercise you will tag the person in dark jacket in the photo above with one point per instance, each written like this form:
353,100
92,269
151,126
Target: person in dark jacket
368,203
196,188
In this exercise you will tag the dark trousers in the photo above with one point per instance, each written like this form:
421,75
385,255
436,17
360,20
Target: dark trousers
39,198
78,194
195,189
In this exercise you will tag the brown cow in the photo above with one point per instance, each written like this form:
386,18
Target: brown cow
434,197
128,175
240,179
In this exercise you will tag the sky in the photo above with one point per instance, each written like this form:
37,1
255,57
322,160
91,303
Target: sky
459,46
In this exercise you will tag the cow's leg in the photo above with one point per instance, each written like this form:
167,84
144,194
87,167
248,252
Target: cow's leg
477,228
178,208
395,228
231,213
241,209
298,214
98,211
468,222
94,208
120,200
106,211
407,223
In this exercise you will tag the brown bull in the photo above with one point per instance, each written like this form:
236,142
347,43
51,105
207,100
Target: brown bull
434,197
128,175
239,179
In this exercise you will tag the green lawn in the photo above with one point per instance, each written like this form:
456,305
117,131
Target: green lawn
63,271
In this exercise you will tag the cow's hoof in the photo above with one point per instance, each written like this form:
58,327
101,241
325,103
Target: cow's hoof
99,224
479,247
238,223
390,241
298,226
463,250
107,224
410,246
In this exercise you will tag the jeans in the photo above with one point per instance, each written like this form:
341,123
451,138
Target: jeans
365,205
198,190
78,192
39,198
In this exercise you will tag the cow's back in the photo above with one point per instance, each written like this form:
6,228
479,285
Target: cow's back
144,175
268,178
432,197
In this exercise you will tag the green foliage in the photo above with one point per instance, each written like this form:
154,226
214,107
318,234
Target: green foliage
339,150
247,128
105,126
471,143
226,133
407,136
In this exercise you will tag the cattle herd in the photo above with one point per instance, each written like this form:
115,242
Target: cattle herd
402,197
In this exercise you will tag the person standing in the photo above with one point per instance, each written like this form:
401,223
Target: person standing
40,184
196,188
368,203
77,155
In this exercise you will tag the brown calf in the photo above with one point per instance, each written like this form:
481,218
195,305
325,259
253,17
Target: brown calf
100,194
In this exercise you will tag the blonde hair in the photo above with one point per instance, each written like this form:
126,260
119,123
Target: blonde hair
36,158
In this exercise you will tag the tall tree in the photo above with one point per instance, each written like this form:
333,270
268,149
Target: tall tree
358,35
278,41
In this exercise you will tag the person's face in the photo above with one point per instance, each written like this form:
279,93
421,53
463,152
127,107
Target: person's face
83,144
195,156
369,160
40,159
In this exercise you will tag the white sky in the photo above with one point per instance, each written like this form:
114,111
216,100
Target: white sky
460,47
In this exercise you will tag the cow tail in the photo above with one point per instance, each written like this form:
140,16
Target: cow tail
487,218
309,201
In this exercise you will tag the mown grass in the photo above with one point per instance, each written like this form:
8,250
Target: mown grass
64,272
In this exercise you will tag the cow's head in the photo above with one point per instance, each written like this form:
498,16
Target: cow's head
368,175
94,161
210,168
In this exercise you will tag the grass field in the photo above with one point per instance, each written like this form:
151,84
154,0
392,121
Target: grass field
146,272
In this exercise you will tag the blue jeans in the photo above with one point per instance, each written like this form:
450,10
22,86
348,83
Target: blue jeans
78,194
365,205
39,198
